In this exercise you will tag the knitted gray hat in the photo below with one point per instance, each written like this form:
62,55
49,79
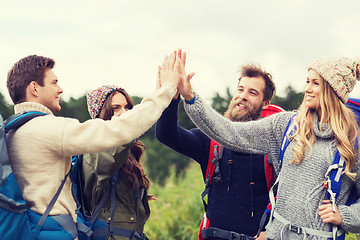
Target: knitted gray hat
340,73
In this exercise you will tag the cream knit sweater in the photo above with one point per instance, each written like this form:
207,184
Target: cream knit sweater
40,151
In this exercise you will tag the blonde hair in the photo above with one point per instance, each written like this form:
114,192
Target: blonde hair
339,117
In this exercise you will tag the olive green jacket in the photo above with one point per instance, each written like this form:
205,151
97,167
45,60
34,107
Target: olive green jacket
132,209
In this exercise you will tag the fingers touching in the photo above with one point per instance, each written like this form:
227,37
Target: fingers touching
173,69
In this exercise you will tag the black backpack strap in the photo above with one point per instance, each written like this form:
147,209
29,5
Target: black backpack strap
263,221
213,232
100,205
133,235
114,180
109,191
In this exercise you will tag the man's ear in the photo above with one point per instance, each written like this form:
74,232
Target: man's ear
33,89
266,104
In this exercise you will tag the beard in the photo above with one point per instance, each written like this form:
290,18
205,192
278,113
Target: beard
236,115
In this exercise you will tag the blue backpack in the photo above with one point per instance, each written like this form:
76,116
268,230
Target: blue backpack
333,176
17,220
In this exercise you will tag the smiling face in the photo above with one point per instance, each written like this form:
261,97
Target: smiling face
313,88
49,94
247,103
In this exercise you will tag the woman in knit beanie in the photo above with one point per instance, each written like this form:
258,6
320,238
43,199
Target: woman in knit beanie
131,209
322,126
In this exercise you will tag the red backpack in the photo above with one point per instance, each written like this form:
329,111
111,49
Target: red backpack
213,171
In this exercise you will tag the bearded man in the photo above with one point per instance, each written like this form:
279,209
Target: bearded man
239,195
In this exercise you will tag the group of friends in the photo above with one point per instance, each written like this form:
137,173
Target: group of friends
41,150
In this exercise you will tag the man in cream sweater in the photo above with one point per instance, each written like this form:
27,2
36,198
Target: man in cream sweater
40,151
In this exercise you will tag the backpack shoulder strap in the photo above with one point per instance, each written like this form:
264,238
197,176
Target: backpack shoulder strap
332,182
12,123
289,131
269,172
110,191
333,179
215,155
53,201
213,170
269,168
17,120
285,141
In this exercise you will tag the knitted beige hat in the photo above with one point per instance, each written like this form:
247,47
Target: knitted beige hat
340,73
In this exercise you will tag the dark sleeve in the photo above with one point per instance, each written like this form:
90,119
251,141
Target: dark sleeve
192,143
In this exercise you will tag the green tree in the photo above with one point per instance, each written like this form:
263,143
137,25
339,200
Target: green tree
159,158
221,104
6,109
292,100
74,108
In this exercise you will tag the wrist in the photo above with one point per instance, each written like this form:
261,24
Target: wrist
177,95
190,99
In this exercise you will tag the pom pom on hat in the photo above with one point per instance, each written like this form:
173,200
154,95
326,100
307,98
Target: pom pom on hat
97,97
340,73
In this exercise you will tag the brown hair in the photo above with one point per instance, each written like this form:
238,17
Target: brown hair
26,70
252,70
132,167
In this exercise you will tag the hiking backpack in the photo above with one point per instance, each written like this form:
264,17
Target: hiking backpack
100,229
213,171
17,220
333,176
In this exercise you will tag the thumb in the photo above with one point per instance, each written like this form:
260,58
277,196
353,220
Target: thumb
189,76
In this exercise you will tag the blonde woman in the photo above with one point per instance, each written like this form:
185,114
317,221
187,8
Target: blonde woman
322,125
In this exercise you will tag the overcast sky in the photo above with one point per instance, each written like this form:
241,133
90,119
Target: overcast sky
122,42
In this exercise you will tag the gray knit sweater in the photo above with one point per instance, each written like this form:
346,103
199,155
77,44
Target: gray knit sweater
301,189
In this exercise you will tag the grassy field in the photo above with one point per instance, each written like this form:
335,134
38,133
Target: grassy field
178,211
352,237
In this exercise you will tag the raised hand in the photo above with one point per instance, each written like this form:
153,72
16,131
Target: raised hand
184,85
170,70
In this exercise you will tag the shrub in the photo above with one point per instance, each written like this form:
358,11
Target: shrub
178,210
